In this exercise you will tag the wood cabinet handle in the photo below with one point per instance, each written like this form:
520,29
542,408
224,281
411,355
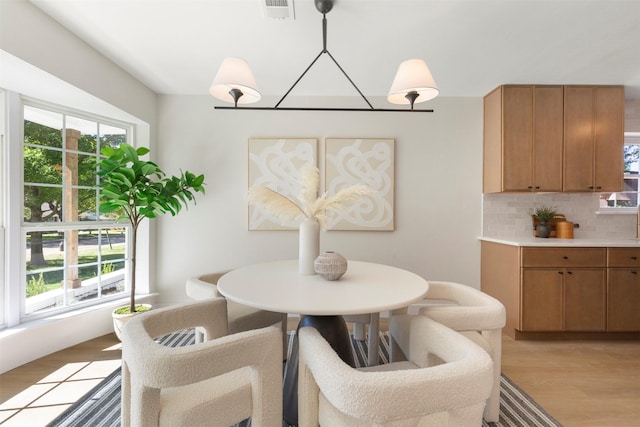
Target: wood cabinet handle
590,187
598,188
530,187
565,257
634,272
569,272
634,258
560,272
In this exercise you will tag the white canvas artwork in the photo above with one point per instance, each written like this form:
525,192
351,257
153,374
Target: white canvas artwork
275,163
369,161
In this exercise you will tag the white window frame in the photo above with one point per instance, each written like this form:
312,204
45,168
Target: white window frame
630,138
12,312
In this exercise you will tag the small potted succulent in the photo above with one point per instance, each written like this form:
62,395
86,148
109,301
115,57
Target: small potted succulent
543,215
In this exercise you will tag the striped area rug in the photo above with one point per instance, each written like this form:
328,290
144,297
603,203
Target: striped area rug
100,407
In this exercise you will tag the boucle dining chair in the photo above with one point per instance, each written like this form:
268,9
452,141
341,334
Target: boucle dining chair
239,317
445,381
373,339
218,382
474,314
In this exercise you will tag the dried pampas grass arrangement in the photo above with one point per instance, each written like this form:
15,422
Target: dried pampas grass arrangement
309,204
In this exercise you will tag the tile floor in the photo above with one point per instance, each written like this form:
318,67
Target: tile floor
41,402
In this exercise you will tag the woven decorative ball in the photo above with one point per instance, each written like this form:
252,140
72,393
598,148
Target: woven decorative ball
330,265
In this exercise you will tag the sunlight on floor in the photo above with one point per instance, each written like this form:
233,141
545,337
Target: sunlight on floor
40,403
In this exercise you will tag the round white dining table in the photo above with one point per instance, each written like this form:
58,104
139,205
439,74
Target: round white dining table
364,288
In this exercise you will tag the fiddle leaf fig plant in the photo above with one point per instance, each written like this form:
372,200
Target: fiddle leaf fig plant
138,189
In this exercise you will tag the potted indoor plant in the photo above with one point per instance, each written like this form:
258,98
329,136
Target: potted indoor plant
137,189
543,214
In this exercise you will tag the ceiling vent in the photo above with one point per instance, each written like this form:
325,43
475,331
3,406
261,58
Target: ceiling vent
278,9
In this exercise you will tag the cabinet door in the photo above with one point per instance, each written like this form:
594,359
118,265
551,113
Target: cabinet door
584,299
541,299
578,139
623,299
547,138
609,138
517,145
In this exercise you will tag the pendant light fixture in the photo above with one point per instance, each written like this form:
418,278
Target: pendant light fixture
235,83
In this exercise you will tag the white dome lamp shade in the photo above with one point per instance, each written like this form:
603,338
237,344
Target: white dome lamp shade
413,83
235,83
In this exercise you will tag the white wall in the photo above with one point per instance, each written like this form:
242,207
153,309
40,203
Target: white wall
438,174
42,59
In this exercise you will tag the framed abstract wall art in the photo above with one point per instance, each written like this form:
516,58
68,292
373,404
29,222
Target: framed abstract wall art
275,163
369,161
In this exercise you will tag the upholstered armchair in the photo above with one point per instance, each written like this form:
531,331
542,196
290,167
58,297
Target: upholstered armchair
445,381
239,317
476,315
218,382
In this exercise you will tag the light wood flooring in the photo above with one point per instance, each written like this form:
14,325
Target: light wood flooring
580,383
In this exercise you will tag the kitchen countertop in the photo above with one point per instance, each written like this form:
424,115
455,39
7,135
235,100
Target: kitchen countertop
554,242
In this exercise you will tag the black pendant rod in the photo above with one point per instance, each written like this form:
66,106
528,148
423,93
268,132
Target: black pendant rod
324,50
387,110
323,7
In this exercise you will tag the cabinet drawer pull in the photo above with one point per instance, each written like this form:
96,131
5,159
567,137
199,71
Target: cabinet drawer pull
634,258
565,257
569,272
560,272
634,272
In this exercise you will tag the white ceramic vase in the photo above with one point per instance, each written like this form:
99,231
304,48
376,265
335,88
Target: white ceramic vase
309,245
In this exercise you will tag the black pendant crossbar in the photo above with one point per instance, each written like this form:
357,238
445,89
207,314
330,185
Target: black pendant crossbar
388,110
323,6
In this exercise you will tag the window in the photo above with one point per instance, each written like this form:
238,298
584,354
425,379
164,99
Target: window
72,255
628,198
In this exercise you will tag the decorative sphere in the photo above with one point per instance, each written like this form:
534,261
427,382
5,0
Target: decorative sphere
330,265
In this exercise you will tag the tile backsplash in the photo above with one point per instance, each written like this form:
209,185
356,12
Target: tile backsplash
507,215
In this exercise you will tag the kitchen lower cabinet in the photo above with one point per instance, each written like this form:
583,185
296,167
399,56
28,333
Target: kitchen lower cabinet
542,300
564,292
623,289
585,299
563,298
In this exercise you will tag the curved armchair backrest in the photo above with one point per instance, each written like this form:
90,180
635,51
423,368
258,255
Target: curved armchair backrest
472,310
239,317
333,393
229,378
480,317
203,287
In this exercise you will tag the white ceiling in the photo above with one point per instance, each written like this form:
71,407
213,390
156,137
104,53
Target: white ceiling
176,46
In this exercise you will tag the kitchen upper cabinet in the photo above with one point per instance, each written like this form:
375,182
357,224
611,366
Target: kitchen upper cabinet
523,131
542,138
593,138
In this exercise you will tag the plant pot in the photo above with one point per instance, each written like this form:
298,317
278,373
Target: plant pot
119,320
543,229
